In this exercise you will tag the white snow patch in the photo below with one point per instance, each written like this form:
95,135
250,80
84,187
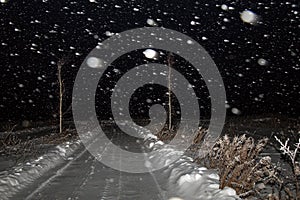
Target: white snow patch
159,142
214,176
62,151
175,198
189,178
151,145
229,191
148,164
151,136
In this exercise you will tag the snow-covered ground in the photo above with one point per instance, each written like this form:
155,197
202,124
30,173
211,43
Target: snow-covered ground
20,176
68,171
186,180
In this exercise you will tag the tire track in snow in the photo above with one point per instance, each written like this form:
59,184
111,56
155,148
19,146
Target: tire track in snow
85,178
108,182
120,176
59,172
107,189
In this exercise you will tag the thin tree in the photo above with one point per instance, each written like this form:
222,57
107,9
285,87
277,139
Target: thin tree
60,63
170,63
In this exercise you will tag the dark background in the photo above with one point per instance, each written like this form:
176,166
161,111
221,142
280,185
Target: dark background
35,34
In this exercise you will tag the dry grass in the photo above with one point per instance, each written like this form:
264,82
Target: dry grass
165,134
12,145
239,164
241,167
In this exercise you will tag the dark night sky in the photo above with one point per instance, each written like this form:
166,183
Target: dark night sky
36,33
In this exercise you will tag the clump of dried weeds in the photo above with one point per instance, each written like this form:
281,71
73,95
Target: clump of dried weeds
239,164
12,145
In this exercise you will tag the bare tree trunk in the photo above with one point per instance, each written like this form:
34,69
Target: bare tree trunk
296,181
170,89
59,66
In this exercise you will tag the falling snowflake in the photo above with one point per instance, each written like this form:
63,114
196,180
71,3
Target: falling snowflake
262,62
236,111
108,33
224,7
150,53
94,62
249,17
151,22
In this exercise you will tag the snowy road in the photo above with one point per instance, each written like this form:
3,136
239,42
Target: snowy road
84,177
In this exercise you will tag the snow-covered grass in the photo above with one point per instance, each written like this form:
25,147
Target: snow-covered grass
187,180
239,160
23,174
31,141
